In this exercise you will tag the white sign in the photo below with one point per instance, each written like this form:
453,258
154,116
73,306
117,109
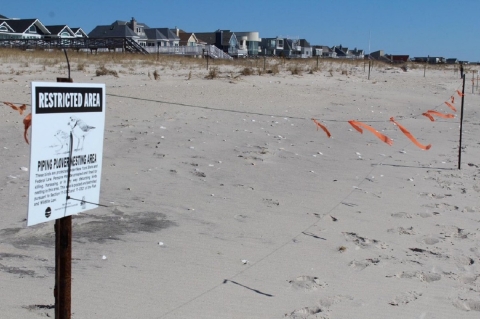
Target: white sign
68,121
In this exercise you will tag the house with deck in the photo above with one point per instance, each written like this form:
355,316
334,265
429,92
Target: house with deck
22,29
306,49
225,40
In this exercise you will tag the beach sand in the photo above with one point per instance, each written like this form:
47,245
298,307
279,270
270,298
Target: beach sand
225,201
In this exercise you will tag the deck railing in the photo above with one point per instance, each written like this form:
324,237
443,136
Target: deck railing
111,44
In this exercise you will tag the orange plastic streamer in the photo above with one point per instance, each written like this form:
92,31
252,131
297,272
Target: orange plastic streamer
410,136
27,122
460,93
20,109
429,116
451,106
443,115
358,126
319,125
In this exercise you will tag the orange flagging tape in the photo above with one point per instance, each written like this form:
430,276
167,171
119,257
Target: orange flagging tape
20,109
451,106
27,121
322,127
429,116
453,99
460,93
357,125
410,136
439,114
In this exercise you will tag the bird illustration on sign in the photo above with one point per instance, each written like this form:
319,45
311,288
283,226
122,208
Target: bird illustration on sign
80,130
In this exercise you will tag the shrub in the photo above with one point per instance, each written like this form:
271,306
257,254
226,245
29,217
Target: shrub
104,71
156,75
212,74
247,71
295,70
275,69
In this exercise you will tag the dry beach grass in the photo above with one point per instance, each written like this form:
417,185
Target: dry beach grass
226,202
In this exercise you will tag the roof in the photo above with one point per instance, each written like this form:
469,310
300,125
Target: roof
3,17
154,34
118,29
208,37
58,29
227,35
112,31
79,31
184,37
22,25
211,37
304,43
5,24
167,33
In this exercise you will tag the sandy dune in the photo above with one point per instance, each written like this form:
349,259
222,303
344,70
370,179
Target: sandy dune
225,201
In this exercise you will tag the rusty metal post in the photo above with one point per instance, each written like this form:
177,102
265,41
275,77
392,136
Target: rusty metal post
63,259
63,267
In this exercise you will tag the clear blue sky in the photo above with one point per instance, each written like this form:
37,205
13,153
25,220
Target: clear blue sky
415,27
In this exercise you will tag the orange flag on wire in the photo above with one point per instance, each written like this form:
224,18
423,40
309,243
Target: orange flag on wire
20,109
27,121
319,125
451,106
429,116
460,93
410,136
439,114
358,126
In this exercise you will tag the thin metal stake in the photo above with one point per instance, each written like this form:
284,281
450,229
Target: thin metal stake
369,63
461,126
473,81
68,62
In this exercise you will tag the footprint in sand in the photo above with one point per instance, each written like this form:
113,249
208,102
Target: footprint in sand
423,276
306,283
429,240
405,298
307,313
330,301
401,215
363,242
467,304
361,265
402,231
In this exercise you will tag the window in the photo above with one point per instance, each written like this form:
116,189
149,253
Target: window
280,44
64,34
3,28
32,29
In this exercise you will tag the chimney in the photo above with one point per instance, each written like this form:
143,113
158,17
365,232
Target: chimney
177,30
133,24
